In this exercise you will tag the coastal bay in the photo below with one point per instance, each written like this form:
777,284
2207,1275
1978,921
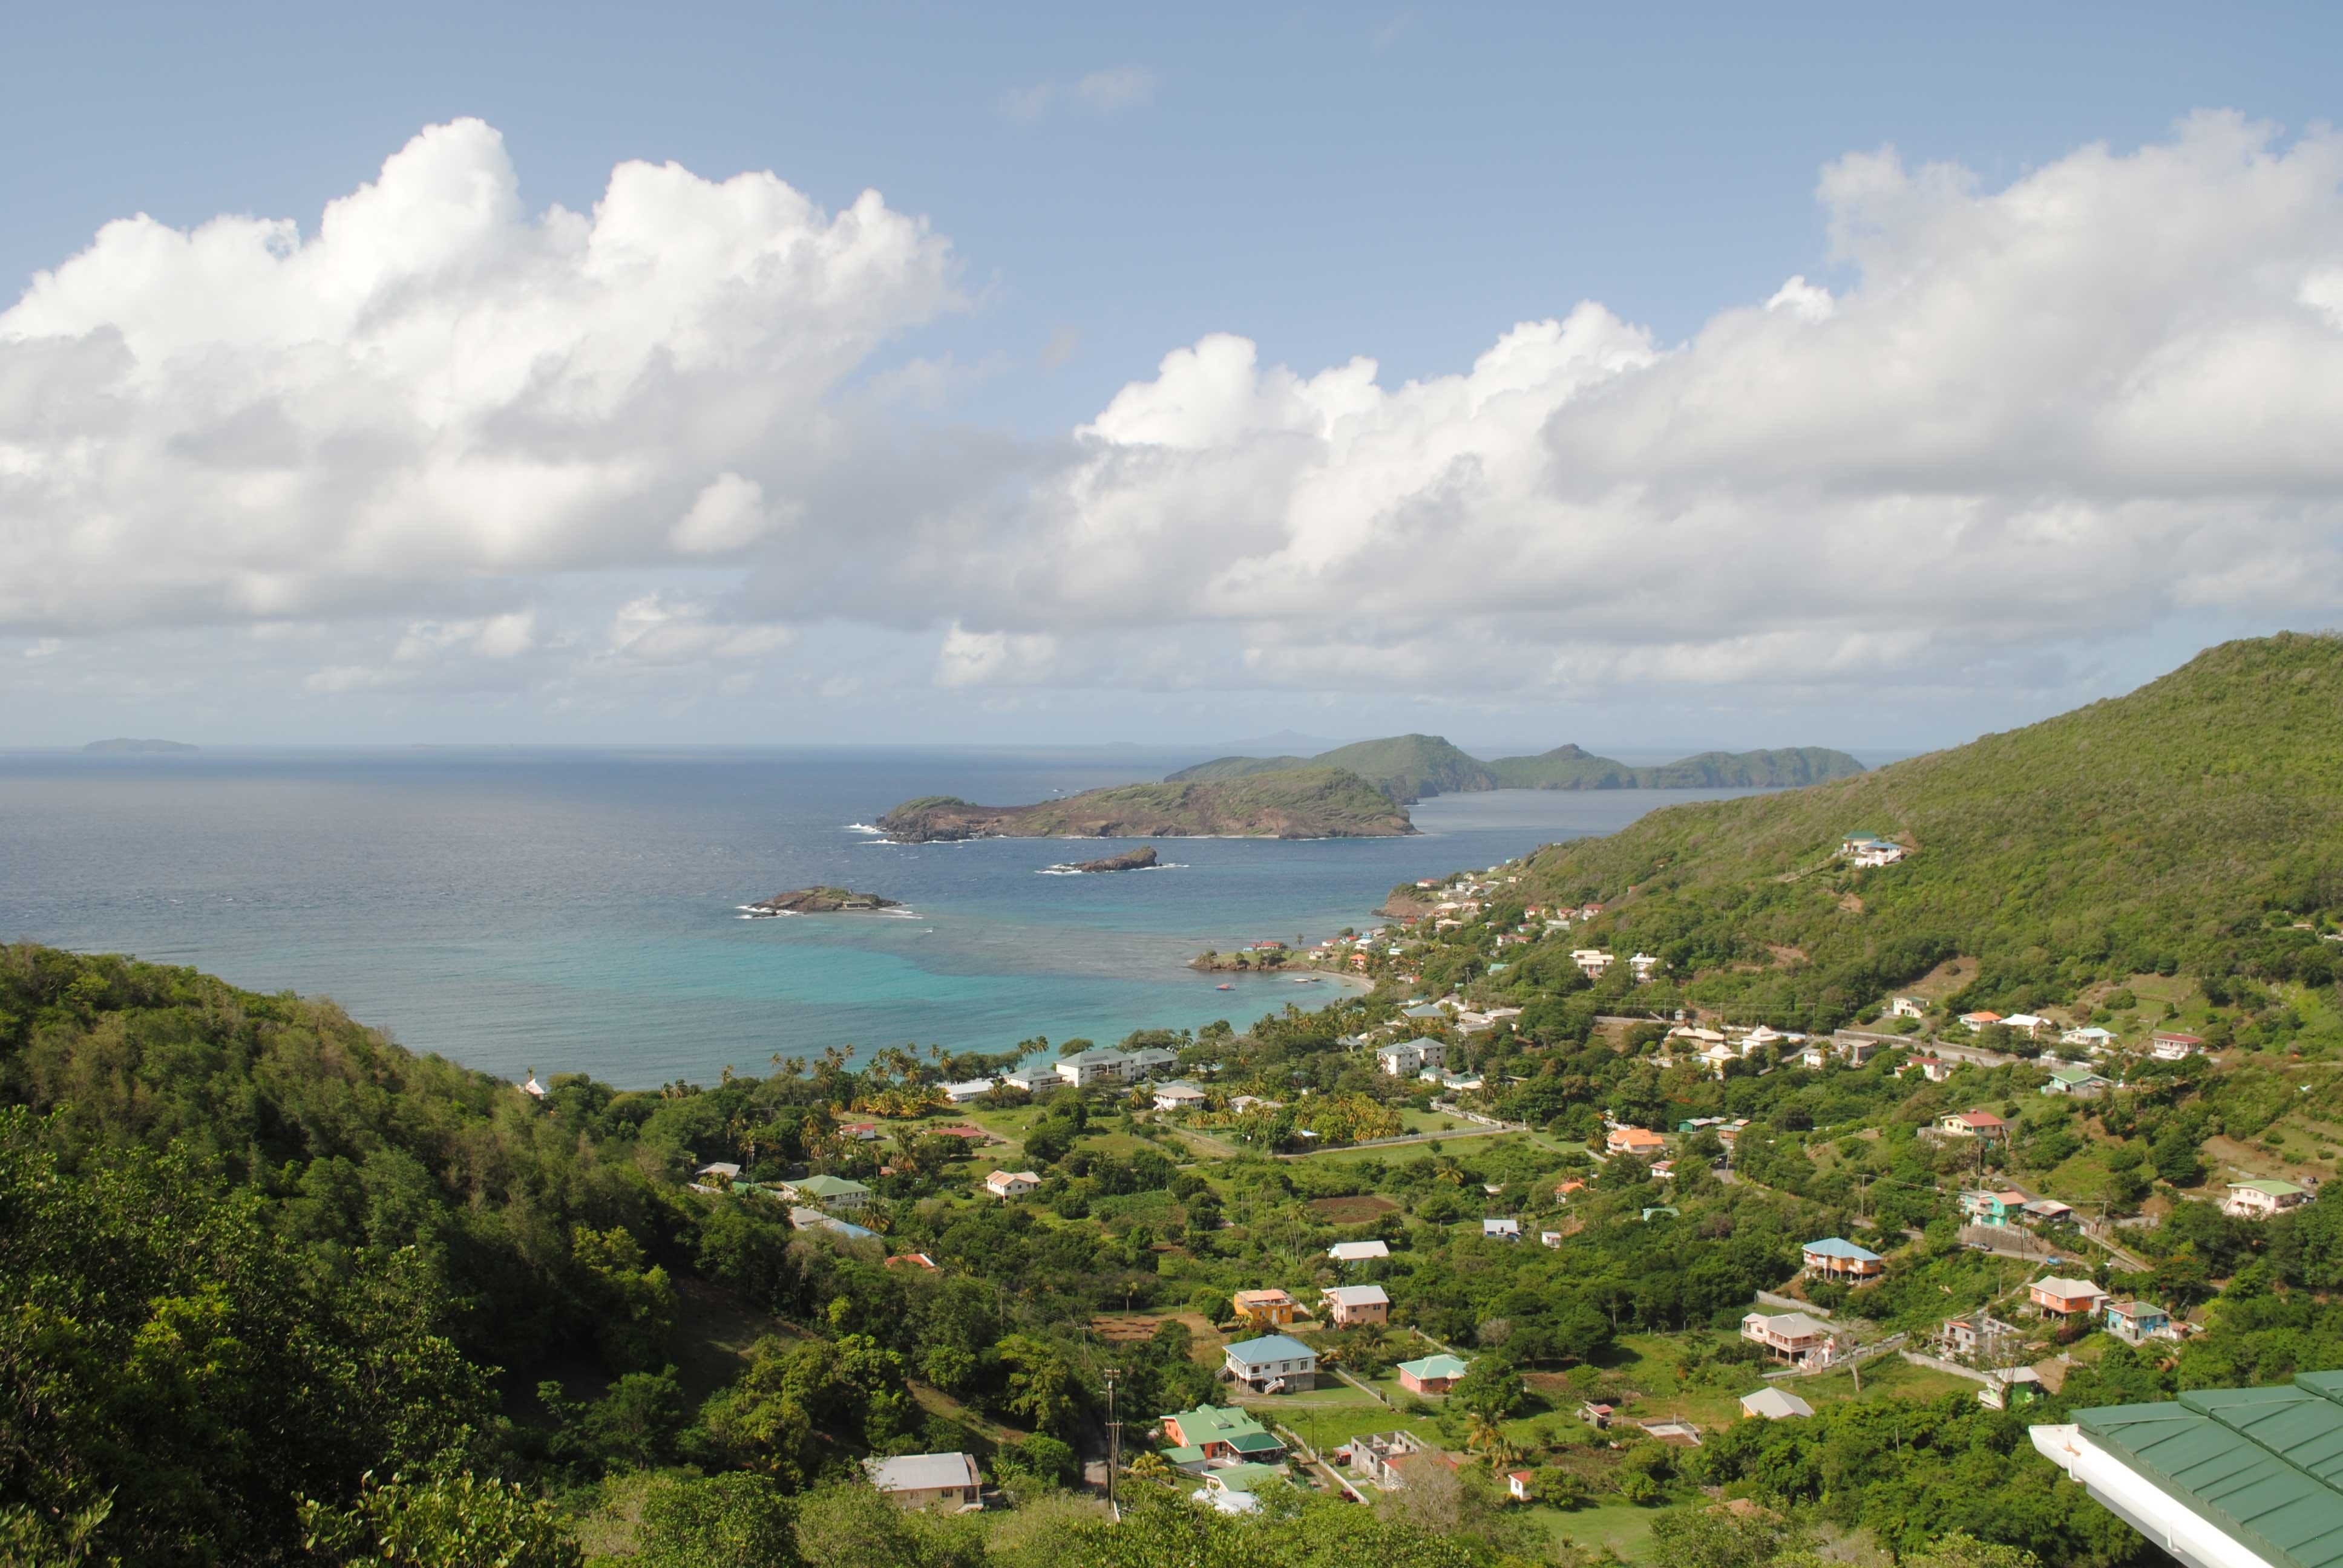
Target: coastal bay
572,910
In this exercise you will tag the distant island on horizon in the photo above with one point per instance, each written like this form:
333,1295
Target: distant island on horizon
123,745
1359,791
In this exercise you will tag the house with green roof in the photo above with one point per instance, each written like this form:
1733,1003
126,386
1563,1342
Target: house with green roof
826,1191
1431,1375
2075,1080
2219,1478
1210,1434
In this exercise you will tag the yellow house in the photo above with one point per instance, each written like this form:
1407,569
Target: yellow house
1268,1309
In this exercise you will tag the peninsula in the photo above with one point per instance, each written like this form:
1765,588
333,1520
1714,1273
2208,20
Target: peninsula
1296,803
822,901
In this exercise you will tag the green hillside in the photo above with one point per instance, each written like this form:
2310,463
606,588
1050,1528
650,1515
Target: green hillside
1564,768
1234,767
1407,767
2187,825
1411,766
1574,767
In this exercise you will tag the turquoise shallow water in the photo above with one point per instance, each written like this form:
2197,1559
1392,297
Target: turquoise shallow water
574,910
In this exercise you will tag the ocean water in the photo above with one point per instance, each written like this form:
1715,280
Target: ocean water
576,910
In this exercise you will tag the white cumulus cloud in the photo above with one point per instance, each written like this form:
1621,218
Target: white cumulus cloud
2101,396
433,385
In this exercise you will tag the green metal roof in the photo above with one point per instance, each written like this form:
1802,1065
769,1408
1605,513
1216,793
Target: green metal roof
2264,1464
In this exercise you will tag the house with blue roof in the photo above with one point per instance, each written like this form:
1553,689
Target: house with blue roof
1836,1257
1274,1363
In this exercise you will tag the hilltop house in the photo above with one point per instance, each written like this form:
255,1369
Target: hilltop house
2066,1297
1501,1229
1792,1336
1356,1306
1775,1404
923,1479
2010,1387
1408,1057
1978,1021
2027,1024
2079,1081
1973,1124
1264,1308
1358,1251
1213,1434
1179,1096
1639,966
1935,1069
826,1191
2090,1037
1635,1141
1275,1363
2260,1200
1906,1006
1431,1375
1591,961
1012,1183
1834,1258
1991,1208
2167,1045
2135,1322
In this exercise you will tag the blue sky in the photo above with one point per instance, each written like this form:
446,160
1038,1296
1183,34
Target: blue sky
1402,184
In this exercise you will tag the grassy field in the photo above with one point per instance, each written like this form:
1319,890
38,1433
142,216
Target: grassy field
1621,1526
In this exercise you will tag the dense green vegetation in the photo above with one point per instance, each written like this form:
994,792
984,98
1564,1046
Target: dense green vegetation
1307,803
2189,826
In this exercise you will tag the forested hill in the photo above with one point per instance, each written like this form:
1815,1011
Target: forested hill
1407,767
2187,824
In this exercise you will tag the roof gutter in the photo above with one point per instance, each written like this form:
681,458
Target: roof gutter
2141,1504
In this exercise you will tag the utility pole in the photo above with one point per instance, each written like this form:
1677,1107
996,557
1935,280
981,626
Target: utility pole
1114,1444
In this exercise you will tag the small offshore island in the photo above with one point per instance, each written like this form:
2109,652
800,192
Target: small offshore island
819,901
1140,860
1299,803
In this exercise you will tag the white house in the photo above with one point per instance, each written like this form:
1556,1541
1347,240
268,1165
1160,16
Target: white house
967,1090
1178,1096
2260,1200
2027,1024
1099,1064
1641,966
2170,1046
1275,1363
2091,1038
1907,1007
1357,1252
1591,961
1408,1057
1877,855
1012,1183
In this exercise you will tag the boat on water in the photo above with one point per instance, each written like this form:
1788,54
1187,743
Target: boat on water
1224,985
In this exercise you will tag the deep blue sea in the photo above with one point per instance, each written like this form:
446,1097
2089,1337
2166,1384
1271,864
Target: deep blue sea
576,910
